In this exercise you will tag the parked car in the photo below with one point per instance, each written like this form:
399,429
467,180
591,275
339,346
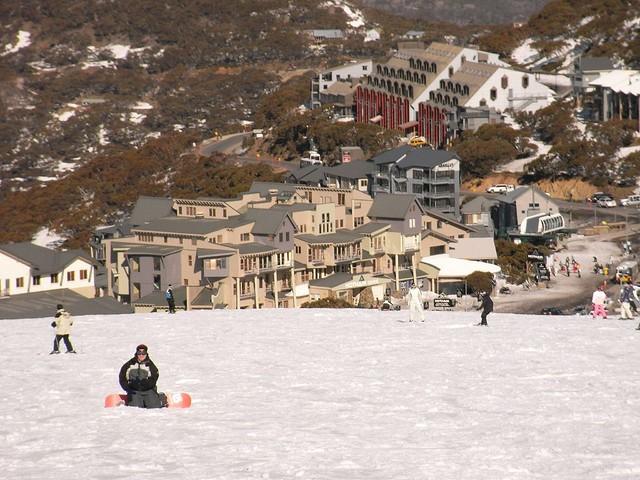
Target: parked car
551,311
606,202
501,188
631,201
597,196
417,141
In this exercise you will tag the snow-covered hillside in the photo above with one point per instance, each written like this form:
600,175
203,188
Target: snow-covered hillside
327,394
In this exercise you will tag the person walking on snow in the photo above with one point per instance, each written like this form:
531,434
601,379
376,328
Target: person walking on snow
414,299
62,324
597,300
625,302
487,307
138,377
171,302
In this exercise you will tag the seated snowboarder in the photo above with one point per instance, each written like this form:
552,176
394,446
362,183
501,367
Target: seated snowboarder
138,378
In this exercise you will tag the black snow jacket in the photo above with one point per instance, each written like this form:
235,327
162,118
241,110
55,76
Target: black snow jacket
138,376
487,304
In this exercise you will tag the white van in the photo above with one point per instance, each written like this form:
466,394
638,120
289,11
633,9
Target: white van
630,201
312,159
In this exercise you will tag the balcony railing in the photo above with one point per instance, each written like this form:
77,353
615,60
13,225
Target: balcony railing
348,257
411,246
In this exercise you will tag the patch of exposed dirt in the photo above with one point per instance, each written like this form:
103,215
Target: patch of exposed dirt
571,189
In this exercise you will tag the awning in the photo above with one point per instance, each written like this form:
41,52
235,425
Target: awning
375,119
407,125
300,291
457,268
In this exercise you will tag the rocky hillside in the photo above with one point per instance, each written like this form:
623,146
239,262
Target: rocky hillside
463,11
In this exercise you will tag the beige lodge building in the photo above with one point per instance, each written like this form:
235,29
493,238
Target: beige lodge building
276,246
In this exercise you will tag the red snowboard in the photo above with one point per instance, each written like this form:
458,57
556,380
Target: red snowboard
174,400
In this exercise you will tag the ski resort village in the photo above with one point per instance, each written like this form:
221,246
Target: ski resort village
359,230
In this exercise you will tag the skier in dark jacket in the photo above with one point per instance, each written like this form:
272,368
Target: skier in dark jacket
138,378
487,307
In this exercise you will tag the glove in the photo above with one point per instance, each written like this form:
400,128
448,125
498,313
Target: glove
53,324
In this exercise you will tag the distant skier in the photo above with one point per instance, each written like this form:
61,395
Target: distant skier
170,300
138,377
414,299
62,324
626,294
486,306
597,300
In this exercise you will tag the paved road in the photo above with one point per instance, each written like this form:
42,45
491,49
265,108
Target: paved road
229,144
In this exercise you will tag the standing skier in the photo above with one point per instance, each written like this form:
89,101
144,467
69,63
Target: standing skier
487,307
62,324
414,299
597,300
171,302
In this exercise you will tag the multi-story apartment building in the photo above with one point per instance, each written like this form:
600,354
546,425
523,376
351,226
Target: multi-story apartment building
343,74
430,91
433,176
276,246
477,85
392,93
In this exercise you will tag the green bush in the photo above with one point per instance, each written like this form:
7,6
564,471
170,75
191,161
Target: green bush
328,302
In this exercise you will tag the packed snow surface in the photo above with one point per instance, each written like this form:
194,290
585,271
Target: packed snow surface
327,394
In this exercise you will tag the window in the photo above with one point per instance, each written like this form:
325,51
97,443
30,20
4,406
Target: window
84,274
190,260
20,282
157,264
281,237
412,223
134,264
36,279
54,277
417,174
439,224
341,199
71,276
358,221
166,239
194,241
287,236
298,249
244,237
525,81
493,93
224,213
504,82
156,282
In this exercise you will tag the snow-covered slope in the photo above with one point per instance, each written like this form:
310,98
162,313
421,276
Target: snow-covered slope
327,394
